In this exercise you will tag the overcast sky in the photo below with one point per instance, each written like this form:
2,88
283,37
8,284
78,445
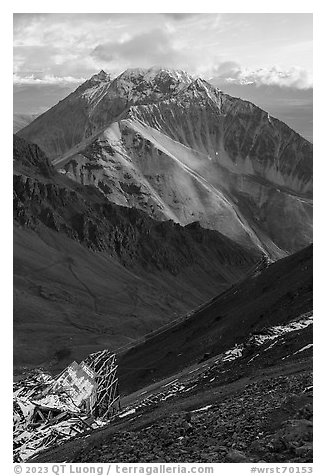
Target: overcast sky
53,53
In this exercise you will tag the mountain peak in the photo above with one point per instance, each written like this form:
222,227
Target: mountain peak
95,83
154,84
155,73
101,76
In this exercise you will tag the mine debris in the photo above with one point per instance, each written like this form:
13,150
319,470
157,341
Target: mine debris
50,410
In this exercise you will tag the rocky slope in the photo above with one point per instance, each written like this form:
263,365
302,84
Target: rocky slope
270,297
267,419
89,274
180,149
250,404
251,408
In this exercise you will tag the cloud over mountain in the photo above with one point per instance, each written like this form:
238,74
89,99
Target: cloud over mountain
295,77
152,47
78,45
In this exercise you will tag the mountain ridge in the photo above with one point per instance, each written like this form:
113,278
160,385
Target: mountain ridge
178,148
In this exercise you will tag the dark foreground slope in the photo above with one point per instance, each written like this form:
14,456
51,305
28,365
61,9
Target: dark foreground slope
90,275
252,403
278,294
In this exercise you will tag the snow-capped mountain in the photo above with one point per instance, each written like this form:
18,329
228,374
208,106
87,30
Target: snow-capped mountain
179,148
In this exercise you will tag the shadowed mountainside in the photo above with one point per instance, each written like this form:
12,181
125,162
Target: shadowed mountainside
274,296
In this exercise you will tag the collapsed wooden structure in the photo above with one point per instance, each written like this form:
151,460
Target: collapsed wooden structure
104,366
49,410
